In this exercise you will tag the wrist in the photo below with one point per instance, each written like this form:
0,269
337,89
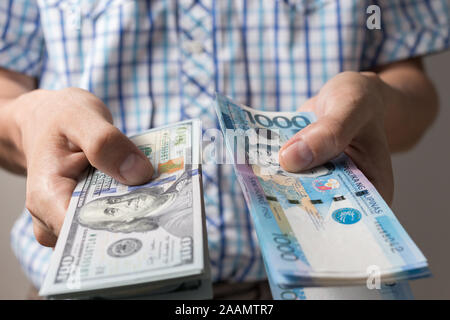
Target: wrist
12,156
14,116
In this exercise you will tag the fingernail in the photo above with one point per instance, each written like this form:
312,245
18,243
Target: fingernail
297,156
135,170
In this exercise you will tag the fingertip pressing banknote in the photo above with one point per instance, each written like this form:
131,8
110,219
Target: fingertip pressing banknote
145,241
323,227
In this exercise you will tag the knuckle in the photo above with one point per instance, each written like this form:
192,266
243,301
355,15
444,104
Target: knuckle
337,138
349,74
102,110
102,141
70,91
31,200
39,233
334,135
42,236
89,100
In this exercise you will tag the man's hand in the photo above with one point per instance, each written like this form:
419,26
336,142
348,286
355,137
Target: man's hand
351,110
60,133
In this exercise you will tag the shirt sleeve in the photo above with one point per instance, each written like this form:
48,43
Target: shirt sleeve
409,28
21,39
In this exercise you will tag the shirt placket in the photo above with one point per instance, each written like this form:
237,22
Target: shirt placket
196,59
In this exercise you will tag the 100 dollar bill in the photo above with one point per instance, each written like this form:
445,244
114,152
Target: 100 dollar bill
326,226
120,236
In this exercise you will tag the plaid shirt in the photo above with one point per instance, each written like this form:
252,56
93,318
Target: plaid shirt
159,61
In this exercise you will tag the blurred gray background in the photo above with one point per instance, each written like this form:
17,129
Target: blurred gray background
422,187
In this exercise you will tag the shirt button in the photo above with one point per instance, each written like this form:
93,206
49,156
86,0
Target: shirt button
194,47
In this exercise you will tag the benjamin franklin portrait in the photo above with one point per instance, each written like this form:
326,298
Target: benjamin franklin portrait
143,210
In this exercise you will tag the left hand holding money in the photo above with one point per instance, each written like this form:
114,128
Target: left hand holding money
350,112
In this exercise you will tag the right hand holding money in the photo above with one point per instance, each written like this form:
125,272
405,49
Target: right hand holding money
350,111
60,133
327,226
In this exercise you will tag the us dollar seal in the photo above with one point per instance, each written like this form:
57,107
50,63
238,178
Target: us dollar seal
124,247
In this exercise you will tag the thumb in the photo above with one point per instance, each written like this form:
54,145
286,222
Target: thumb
316,144
110,151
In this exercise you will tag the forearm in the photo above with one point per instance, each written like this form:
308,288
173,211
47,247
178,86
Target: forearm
12,87
412,103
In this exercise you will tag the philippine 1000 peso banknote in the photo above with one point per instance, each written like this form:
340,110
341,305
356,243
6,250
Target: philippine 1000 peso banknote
376,291
131,241
385,291
326,226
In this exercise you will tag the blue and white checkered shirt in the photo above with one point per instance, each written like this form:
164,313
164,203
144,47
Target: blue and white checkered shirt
155,62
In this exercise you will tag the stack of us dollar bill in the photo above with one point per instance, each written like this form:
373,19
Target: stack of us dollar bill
325,227
145,241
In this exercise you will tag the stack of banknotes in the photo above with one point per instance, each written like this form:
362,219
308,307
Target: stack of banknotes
145,241
324,227
385,291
